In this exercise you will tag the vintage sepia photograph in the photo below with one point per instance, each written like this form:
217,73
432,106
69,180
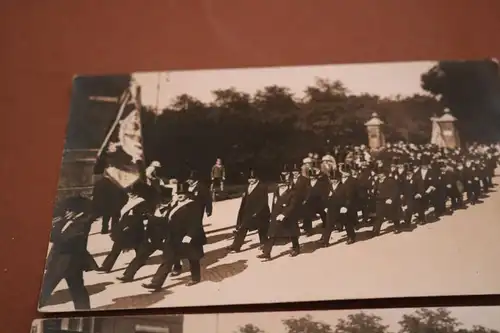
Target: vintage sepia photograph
435,320
282,184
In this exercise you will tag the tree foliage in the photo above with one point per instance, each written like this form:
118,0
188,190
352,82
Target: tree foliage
306,324
420,321
361,323
429,321
249,328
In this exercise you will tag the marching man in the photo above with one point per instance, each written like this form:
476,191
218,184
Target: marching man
185,239
284,217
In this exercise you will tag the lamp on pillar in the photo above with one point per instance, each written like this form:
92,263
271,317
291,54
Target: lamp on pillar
376,138
449,137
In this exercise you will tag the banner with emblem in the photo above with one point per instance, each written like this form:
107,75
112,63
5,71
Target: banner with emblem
121,157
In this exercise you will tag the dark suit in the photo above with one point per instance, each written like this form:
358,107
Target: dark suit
408,191
200,194
68,259
253,215
387,203
127,234
315,202
286,204
472,184
301,187
333,217
347,196
364,186
450,178
155,233
182,222
423,183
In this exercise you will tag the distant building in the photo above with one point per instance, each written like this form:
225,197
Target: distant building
132,324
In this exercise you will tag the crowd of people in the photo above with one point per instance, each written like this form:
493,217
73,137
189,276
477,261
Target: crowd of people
345,189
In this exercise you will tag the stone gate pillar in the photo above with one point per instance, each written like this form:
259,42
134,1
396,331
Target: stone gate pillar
448,129
374,128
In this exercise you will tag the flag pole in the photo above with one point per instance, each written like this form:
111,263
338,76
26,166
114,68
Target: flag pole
138,106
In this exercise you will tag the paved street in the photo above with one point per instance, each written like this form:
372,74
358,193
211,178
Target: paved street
456,255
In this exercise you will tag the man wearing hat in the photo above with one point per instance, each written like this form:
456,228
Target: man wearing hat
68,257
426,184
300,184
253,213
200,194
185,239
155,231
347,197
284,217
333,205
387,201
315,200
449,179
285,179
129,231
364,184
408,191
471,181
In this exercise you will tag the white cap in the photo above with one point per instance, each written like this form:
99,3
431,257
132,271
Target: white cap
156,164
307,160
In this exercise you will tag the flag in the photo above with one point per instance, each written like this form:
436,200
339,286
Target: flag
121,157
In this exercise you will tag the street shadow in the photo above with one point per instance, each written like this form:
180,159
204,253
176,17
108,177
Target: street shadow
251,247
210,258
136,301
310,247
63,296
280,255
361,236
221,272
220,237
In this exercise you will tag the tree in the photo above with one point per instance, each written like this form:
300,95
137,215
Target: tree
471,89
249,328
306,324
361,323
481,329
185,102
429,321
275,103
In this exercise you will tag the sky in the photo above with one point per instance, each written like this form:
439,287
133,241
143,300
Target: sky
270,322
384,79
